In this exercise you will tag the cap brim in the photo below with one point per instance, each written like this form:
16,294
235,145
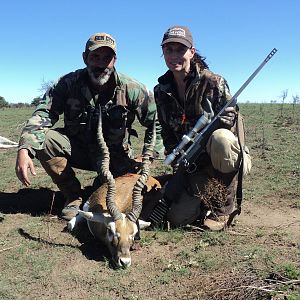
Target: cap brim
94,47
177,40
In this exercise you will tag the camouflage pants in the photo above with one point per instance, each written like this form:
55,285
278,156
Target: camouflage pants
185,190
80,154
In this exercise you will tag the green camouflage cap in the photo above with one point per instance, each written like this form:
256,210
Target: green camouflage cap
178,34
101,39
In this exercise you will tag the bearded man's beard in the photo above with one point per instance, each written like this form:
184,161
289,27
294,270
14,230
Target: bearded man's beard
102,78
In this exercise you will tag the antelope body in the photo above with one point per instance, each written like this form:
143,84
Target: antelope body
113,210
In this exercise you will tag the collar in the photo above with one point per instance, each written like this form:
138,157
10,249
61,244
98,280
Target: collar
167,81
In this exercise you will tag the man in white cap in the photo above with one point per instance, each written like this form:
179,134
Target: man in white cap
79,96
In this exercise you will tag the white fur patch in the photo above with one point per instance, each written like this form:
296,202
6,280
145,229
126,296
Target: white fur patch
73,223
92,217
143,224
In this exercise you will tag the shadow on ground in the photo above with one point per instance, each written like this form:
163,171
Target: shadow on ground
44,201
91,248
35,201
31,201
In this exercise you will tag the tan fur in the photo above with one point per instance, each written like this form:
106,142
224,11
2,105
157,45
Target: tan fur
124,187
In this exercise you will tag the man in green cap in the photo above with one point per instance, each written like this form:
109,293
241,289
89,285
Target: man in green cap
79,96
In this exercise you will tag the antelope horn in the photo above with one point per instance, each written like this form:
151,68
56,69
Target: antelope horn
134,214
103,169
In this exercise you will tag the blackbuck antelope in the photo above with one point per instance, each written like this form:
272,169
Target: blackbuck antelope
112,211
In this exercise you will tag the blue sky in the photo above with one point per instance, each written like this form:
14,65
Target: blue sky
43,40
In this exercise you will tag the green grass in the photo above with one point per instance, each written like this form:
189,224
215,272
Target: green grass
47,263
273,142
290,270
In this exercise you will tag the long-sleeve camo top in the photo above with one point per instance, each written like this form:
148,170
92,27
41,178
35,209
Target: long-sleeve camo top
73,98
177,118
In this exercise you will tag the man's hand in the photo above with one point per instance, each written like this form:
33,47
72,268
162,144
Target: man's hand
23,163
228,116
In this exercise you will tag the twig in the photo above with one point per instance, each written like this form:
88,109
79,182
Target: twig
283,282
195,228
50,213
286,225
236,233
290,282
5,249
168,226
49,236
264,289
53,196
243,287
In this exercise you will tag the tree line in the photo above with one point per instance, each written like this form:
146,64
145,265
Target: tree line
45,85
4,103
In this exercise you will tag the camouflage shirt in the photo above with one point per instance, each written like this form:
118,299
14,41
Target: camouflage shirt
178,118
73,97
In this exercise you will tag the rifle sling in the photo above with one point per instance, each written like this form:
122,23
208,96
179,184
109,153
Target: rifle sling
239,190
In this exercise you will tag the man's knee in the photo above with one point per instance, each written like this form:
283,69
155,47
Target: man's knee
55,144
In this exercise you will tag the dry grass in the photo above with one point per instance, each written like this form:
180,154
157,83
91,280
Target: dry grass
257,259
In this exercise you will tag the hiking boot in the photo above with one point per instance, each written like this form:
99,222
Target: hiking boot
229,180
62,174
216,224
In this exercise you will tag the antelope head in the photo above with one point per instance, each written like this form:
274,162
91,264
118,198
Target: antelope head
106,216
121,230
120,238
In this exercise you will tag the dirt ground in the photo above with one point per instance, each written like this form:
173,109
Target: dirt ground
50,263
258,258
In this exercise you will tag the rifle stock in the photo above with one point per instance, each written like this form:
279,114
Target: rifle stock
199,135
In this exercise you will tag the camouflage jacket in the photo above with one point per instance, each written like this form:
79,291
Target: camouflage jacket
73,97
178,118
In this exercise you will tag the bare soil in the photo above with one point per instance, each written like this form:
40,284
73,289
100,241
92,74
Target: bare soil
189,264
258,258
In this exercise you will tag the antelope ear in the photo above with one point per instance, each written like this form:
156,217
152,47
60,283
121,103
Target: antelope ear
143,224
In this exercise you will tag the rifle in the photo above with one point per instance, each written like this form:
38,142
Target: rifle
197,138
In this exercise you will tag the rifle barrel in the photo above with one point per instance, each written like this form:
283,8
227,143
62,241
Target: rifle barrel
255,73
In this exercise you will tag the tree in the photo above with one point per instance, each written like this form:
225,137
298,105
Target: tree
283,96
3,102
36,101
296,99
45,85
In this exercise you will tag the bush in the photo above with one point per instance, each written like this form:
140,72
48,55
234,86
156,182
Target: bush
3,102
